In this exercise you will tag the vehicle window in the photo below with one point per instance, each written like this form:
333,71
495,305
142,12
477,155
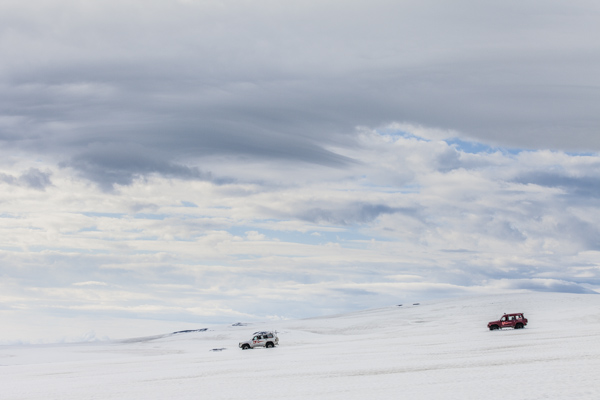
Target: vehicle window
270,335
255,338
503,319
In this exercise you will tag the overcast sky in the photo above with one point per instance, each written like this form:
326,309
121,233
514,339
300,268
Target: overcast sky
194,162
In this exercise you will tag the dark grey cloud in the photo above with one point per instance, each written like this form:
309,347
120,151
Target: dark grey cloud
184,80
349,214
121,163
587,187
32,178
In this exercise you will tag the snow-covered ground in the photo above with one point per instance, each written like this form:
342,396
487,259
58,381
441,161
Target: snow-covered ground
435,350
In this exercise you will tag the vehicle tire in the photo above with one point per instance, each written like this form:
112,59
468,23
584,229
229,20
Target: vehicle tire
519,326
245,347
269,345
493,327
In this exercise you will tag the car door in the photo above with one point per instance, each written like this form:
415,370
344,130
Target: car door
258,341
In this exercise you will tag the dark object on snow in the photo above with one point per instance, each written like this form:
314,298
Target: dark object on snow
516,321
190,331
399,305
416,304
239,324
221,349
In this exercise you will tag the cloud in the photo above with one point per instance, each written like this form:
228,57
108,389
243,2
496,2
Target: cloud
32,178
298,234
120,164
90,283
347,214
581,186
167,81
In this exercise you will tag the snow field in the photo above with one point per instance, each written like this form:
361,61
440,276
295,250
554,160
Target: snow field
437,350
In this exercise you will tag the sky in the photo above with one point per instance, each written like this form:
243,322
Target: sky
194,162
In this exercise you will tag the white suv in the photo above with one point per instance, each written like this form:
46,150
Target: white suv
261,339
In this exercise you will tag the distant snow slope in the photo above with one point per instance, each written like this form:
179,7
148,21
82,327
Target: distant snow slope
436,350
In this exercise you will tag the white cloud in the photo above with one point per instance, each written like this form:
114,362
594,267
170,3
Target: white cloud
90,283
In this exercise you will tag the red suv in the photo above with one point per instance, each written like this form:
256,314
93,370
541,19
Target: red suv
516,321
